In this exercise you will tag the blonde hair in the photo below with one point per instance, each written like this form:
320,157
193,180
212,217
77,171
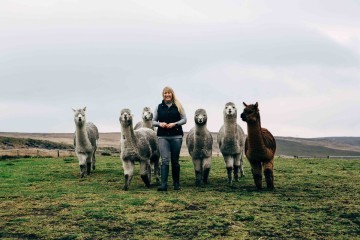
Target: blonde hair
174,99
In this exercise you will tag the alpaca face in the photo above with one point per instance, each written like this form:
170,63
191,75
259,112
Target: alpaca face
147,114
200,117
79,116
250,113
230,110
125,117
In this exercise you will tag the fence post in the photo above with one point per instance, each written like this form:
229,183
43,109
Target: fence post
58,153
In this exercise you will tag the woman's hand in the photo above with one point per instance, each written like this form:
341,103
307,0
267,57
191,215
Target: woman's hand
163,124
167,125
171,125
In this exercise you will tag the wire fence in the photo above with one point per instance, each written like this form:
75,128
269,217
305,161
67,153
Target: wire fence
328,157
55,153
60,153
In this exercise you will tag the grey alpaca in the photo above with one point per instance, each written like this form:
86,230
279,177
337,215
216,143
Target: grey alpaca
231,140
147,116
139,145
85,141
199,143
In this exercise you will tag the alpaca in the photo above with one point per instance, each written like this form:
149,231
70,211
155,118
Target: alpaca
139,145
147,117
231,140
260,147
85,141
199,142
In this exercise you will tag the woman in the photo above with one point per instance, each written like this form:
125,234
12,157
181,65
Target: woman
169,115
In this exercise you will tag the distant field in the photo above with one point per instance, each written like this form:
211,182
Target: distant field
286,146
43,198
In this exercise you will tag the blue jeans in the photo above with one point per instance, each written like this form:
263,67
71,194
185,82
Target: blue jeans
170,150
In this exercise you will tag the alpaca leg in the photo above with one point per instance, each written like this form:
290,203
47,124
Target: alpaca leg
88,164
229,162
242,165
206,169
257,174
197,168
236,167
157,172
269,174
128,167
93,160
82,163
155,167
94,156
145,172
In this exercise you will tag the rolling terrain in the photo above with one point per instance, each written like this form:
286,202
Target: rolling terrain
286,146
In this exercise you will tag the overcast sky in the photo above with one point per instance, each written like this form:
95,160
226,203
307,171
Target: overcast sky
298,59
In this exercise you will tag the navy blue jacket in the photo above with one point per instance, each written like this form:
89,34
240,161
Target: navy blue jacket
169,115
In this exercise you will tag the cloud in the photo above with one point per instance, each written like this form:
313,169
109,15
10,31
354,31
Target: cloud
299,60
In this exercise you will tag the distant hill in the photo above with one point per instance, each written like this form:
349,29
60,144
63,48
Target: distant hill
286,146
13,143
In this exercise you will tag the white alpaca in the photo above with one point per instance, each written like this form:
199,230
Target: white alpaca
140,146
147,117
231,140
85,141
199,142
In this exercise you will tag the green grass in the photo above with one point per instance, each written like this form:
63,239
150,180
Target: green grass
46,199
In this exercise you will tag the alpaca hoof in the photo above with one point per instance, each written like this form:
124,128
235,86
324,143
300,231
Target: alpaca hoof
125,188
93,168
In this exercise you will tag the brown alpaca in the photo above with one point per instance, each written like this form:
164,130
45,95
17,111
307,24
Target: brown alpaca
260,147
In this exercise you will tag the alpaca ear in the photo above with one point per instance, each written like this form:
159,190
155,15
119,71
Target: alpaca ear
74,110
245,104
84,109
256,104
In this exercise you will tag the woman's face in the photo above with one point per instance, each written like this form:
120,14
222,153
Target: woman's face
167,95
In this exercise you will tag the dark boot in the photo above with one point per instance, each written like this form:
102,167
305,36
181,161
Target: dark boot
164,177
206,175
176,176
197,178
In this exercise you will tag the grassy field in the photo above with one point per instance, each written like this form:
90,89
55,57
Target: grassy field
43,198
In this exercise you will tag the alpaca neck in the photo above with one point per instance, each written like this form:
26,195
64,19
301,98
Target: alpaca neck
128,135
230,126
147,123
255,138
82,138
199,129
